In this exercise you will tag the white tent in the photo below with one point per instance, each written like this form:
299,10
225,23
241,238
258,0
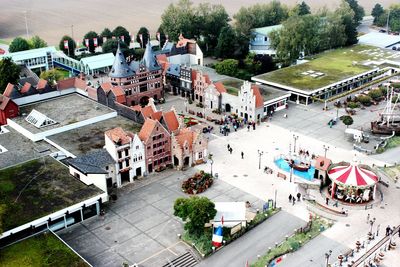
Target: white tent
233,213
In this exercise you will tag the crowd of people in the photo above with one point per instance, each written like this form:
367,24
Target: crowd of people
234,122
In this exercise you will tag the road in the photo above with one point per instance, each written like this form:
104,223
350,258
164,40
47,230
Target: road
255,242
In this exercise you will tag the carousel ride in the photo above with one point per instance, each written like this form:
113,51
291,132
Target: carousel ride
353,183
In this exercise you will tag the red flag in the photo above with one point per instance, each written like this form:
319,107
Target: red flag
122,38
95,41
87,42
222,220
247,263
65,44
113,37
158,36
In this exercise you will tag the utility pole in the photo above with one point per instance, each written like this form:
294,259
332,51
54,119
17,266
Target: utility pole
326,148
26,24
260,153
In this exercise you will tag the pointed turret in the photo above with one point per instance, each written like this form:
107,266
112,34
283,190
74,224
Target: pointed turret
120,68
149,59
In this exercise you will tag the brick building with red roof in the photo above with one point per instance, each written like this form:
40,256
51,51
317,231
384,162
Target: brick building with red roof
8,109
200,82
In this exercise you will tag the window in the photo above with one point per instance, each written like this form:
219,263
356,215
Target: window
119,154
200,155
106,168
120,165
137,147
126,152
127,162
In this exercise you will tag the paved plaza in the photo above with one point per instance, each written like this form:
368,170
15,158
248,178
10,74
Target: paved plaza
140,227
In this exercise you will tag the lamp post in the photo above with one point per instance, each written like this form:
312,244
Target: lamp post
291,172
276,192
326,148
295,137
260,153
211,161
371,222
327,255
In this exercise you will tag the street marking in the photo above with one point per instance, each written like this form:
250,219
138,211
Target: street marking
161,251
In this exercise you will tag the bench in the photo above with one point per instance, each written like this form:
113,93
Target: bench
281,175
332,210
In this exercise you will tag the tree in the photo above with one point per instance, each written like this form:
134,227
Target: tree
359,12
195,212
180,18
2,212
9,73
36,42
226,43
211,19
349,22
106,33
18,44
71,45
163,38
111,45
51,76
91,36
145,37
301,9
394,18
375,94
377,11
259,15
347,120
227,67
121,31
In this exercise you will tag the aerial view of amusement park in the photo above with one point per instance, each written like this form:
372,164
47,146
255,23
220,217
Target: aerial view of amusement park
210,134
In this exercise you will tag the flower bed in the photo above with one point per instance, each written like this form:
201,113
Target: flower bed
198,183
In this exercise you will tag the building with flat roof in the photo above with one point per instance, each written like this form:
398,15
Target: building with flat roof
330,73
379,39
40,58
41,193
97,64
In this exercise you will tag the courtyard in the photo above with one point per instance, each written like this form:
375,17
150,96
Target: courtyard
140,227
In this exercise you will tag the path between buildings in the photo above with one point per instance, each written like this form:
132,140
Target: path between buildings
255,242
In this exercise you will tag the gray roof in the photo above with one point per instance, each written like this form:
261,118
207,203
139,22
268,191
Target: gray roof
174,69
134,65
149,59
120,68
94,162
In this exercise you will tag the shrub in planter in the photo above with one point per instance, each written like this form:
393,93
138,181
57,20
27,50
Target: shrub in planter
375,94
347,120
364,99
353,105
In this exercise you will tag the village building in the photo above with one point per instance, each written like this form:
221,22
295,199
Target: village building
184,52
127,150
200,81
139,81
8,109
157,144
260,42
188,148
251,102
213,96
186,88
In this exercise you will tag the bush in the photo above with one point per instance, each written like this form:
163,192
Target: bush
364,99
353,105
347,120
375,94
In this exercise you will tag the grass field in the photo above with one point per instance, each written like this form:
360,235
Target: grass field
40,251
232,86
336,65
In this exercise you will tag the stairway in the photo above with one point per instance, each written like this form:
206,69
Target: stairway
185,260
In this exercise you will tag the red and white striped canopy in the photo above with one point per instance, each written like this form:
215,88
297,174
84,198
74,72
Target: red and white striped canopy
353,176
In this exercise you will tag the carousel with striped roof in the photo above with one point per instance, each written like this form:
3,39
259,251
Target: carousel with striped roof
352,183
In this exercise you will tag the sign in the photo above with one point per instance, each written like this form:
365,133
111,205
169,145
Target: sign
66,44
236,228
95,41
87,42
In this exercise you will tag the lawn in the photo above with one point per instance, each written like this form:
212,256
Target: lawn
38,188
232,86
40,251
293,243
335,65
392,172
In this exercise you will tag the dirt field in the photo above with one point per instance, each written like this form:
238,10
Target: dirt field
50,19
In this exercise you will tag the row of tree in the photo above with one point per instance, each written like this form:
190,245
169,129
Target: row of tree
387,17
312,33
22,44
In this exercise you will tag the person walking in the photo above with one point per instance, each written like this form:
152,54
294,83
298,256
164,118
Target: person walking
298,196
377,229
229,147
242,154
368,218
254,126
230,150
290,198
293,201
387,230
327,201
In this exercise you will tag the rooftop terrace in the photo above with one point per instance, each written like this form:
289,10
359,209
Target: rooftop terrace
63,110
327,67
37,188
91,137
41,250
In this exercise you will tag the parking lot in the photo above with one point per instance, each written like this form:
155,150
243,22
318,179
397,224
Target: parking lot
140,226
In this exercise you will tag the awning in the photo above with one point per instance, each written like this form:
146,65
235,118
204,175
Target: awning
353,175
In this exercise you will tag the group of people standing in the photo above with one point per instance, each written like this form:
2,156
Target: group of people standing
236,123
292,199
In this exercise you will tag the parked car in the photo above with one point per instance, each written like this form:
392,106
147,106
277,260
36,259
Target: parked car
382,30
394,48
